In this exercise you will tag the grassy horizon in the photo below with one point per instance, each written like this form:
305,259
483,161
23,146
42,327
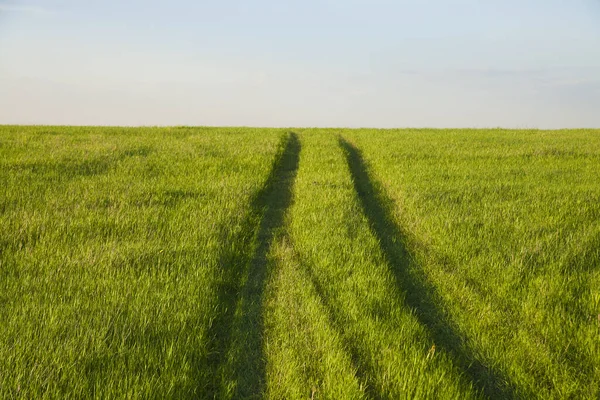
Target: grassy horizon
186,262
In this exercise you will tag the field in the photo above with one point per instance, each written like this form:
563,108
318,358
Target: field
308,263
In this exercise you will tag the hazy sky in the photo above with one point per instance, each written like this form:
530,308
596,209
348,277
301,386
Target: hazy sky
378,63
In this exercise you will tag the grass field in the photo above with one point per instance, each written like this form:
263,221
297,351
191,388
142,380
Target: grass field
308,263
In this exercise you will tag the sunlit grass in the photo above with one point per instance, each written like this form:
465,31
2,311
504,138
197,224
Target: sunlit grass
113,243
268,263
505,225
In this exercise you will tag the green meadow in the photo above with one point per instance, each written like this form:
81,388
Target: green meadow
299,263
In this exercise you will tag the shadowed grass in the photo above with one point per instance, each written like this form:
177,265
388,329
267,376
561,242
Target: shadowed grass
363,369
420,296
236,357
109,273
177,263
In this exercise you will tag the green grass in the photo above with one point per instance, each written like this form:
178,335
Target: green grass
264,263
505,226
116,245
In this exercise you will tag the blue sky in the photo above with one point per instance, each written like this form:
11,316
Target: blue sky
377,63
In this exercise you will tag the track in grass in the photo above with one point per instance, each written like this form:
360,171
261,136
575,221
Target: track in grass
236,358
363,368
420,295
108,279
259,263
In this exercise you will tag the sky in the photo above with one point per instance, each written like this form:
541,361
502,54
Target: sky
337,63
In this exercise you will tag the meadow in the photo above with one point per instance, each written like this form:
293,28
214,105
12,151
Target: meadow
299,263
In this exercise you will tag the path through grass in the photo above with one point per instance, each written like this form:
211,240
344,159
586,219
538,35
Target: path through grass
264,263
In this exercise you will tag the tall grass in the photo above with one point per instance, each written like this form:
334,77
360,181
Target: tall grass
114,244
318,263
505,225
344,330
